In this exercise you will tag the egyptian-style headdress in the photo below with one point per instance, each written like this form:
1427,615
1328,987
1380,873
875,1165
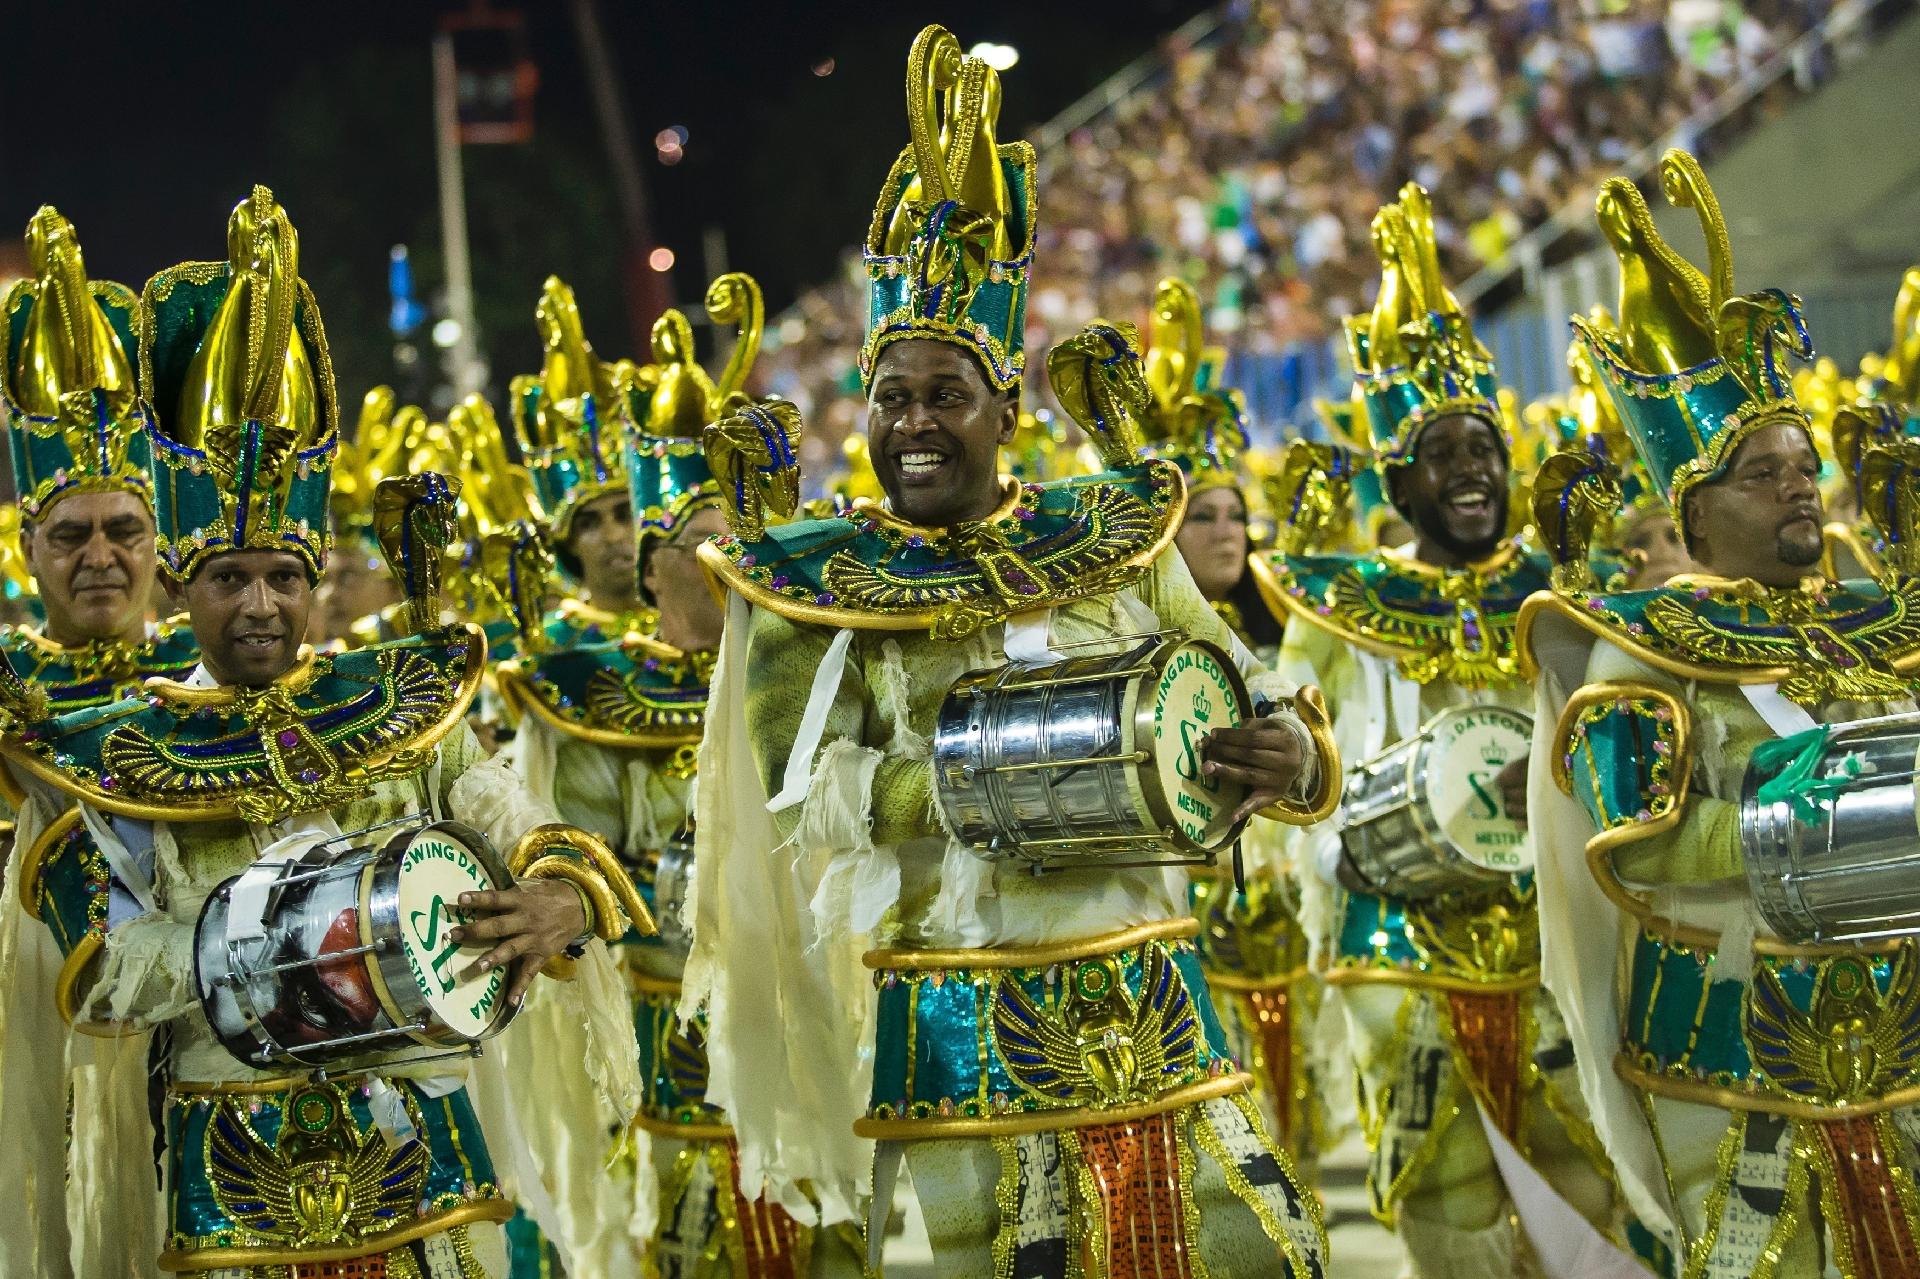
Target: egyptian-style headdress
666,453
1415,358
1188,422
951,244
1693,370
74,418
234,362
568,418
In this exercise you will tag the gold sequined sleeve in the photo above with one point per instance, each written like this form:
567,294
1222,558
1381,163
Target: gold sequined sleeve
782,658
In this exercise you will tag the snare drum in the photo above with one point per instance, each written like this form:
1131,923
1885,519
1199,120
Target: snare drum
1092,760
1842,864
342,953
1425,817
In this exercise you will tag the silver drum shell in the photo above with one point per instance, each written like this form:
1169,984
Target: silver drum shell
1007,770
1854,873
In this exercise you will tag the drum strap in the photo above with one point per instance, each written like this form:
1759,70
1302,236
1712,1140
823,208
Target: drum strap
813,724
1029,637
1782,716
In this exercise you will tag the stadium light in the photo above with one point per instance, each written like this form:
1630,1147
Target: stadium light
998,56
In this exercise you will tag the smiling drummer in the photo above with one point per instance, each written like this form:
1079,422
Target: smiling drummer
1038,1048
266,746
1441,1026
1750,1087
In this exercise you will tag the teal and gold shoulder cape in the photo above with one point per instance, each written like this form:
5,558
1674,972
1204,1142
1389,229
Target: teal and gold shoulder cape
1819,641
1455,625
1045,544
637,692
321,735
81,676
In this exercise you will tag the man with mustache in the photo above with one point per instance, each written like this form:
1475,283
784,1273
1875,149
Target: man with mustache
869,977
1451,1041
262,752
1752,1078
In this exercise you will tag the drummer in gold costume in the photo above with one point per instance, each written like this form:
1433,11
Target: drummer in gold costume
1038,1049
1250,941
1746,1009
75,424
1435,963
608,730
569,433
265,753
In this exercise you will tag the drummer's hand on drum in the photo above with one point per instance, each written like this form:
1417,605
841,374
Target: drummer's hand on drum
1265,755
1512,781
530,923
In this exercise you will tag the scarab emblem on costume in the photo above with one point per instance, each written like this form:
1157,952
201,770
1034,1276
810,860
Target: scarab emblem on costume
1100,1044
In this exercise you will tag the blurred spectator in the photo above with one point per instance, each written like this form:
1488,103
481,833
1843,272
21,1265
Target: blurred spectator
1253,166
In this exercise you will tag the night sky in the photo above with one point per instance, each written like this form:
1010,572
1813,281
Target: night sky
145,123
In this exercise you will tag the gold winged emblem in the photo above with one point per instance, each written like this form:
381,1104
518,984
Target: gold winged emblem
1101,1045
1853,1043
322,1181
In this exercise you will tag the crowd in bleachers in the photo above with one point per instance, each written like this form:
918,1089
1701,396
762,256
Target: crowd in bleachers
1252,165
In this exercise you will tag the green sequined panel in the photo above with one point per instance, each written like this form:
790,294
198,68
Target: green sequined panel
673,1062
985,1042
1619,758
1065,540
72,895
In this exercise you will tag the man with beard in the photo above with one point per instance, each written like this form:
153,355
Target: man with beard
1455,1044
263,754
1039,1050
1733,1054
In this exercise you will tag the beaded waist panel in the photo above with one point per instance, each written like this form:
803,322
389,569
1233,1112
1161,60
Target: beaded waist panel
673,1064
1250,939
1814,1036
975,1043
291,1172
1477,940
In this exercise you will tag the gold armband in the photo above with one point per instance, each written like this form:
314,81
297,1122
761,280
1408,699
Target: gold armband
560,851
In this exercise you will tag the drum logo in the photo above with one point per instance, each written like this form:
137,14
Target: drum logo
1465,793
433,873
1192,693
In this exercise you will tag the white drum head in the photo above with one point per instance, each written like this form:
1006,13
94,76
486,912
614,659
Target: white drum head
1194,695
435,869
1470,747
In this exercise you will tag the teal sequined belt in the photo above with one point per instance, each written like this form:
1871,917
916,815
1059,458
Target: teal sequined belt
673,1063
1824,1033
1430,942
278,1172
981,1042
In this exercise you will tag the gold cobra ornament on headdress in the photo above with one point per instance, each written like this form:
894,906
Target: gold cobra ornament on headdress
953,107
68,345
1668,310
570,368
1176,343
247,367
1901,367
685,400
1098,378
